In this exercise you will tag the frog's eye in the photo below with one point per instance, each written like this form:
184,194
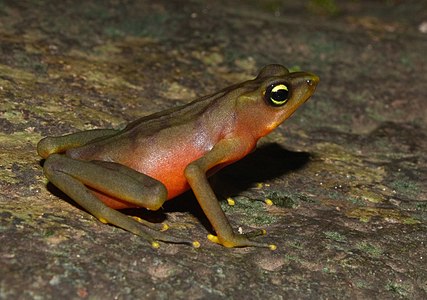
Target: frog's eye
277,94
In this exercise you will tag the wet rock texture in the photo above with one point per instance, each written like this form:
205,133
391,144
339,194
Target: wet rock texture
346,174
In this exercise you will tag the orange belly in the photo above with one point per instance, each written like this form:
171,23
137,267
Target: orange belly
168,168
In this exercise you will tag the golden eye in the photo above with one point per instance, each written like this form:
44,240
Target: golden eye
277,94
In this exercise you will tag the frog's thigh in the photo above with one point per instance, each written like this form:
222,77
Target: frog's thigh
57,144
72,176
111,179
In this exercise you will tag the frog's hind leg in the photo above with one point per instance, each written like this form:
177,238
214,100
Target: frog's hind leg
58,144
74,177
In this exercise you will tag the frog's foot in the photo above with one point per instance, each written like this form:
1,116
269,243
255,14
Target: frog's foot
161,227
242,240
154,235
142,228
155,244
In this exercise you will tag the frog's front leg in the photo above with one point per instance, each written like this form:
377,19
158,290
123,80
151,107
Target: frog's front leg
196,176
74,177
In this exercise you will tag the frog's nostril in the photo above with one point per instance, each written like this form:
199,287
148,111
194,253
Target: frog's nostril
313,81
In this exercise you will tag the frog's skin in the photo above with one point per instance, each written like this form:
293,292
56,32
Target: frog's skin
160,156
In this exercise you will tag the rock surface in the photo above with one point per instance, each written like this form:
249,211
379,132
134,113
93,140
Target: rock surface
346,174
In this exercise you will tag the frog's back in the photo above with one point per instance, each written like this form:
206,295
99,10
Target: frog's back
187,131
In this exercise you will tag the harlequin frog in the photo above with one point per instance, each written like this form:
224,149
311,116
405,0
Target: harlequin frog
160,156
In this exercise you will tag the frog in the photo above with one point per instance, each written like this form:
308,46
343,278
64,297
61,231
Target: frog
162,155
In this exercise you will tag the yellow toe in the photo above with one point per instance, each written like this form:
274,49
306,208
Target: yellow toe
103,220
155,245
213,238
231,201
269,202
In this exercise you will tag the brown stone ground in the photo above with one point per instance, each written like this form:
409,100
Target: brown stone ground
347,173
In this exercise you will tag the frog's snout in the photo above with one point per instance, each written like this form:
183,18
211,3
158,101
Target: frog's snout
313,80
305,84
305,80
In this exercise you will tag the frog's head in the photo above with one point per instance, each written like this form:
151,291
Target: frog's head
273,96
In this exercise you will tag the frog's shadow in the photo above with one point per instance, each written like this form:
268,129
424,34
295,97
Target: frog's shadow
267,162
